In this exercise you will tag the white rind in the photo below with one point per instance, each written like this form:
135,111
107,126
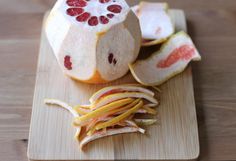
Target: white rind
155,21
147,73
113,97
125,88
109,132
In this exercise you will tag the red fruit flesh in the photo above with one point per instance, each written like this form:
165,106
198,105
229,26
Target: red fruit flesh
103,20
67,62
114,8
110,58
74,11
84,17
93,21
110,15
184,52
76,3
104,1
114,61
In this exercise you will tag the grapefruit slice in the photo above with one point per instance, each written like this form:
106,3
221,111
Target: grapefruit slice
119,89
171,60
155,22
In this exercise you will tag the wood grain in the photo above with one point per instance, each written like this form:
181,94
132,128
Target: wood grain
176,138
214,84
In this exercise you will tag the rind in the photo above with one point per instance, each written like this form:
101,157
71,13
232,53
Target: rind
95,79
113,97
156,8
156,53
110,132
125,88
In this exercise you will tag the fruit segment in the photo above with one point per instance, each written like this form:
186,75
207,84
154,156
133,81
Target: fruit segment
172,59
155,22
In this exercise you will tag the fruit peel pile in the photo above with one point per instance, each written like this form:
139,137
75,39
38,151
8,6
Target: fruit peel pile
115,115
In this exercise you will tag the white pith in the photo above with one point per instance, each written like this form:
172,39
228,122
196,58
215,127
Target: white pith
154,20
124,88
89,46
147,72
114,97
109,132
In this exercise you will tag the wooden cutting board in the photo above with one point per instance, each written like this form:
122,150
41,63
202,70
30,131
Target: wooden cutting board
52,135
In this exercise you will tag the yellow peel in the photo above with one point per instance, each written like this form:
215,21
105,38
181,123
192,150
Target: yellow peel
80,111
120,117
92,129
113,97
157,89
101,111
154,42
119,89
150,110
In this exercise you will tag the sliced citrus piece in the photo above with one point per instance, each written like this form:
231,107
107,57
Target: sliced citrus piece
156,24
113,97
171,60
118,89
109,132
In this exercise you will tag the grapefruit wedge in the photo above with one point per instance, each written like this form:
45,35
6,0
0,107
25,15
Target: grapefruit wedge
155,22
171,60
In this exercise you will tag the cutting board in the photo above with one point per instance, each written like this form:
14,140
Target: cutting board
51,137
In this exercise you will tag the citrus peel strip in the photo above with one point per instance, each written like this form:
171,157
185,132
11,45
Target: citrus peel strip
101,111
120,117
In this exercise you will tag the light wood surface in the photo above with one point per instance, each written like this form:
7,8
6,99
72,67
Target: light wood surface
51,133
211,24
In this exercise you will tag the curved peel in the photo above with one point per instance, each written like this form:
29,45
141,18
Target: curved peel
156,24
101,111
67,107
109,132
113,97
120,117
171,60
61,104
118,89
